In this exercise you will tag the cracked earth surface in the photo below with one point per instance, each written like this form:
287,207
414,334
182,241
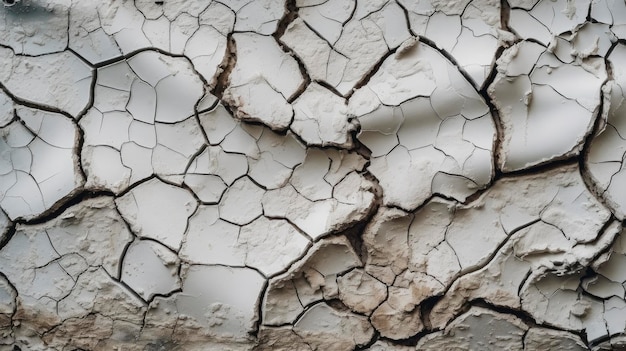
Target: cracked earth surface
312,175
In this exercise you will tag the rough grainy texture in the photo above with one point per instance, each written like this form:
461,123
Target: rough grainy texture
383,175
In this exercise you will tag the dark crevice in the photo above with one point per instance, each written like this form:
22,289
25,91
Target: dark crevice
495,114
258,320
411,341
80,143
543,167
367,346
74,198
31,104
370,73
7,236
451,59
291,13
524,316
426,308
228,64
598,125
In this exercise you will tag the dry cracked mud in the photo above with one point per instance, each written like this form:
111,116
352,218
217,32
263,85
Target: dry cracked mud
312,175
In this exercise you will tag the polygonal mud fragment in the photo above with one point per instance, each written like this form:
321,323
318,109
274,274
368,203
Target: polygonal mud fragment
284,338
205,48
308,178
606,282
257,16
187,32
217,123
276,236
310,217
339,43
85,333
150,269
437,140
611,13
559,198
8,297
210,240
208,187
119,305
141,122
327,194
322,322
614,343
263,81
478,329
240,140
610,267
549,339
470,31
39,165
614,316
397,322
29,263
176,86
217,15
308,280
328,17
554,300
361,292
161,315
605,158
382,345
542,20
41,261
241,203
7,107
281,303
158,211
170,10
123,22
591,39
534,93
602,287
439,240
222,299
177,144
54,287
521,259
59,81
86,36
35,27
279,155
165,326
427,241
214,161
320,118
412,288
322,61
386,241
93,230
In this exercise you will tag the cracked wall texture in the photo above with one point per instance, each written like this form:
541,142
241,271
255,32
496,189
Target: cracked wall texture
312,175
